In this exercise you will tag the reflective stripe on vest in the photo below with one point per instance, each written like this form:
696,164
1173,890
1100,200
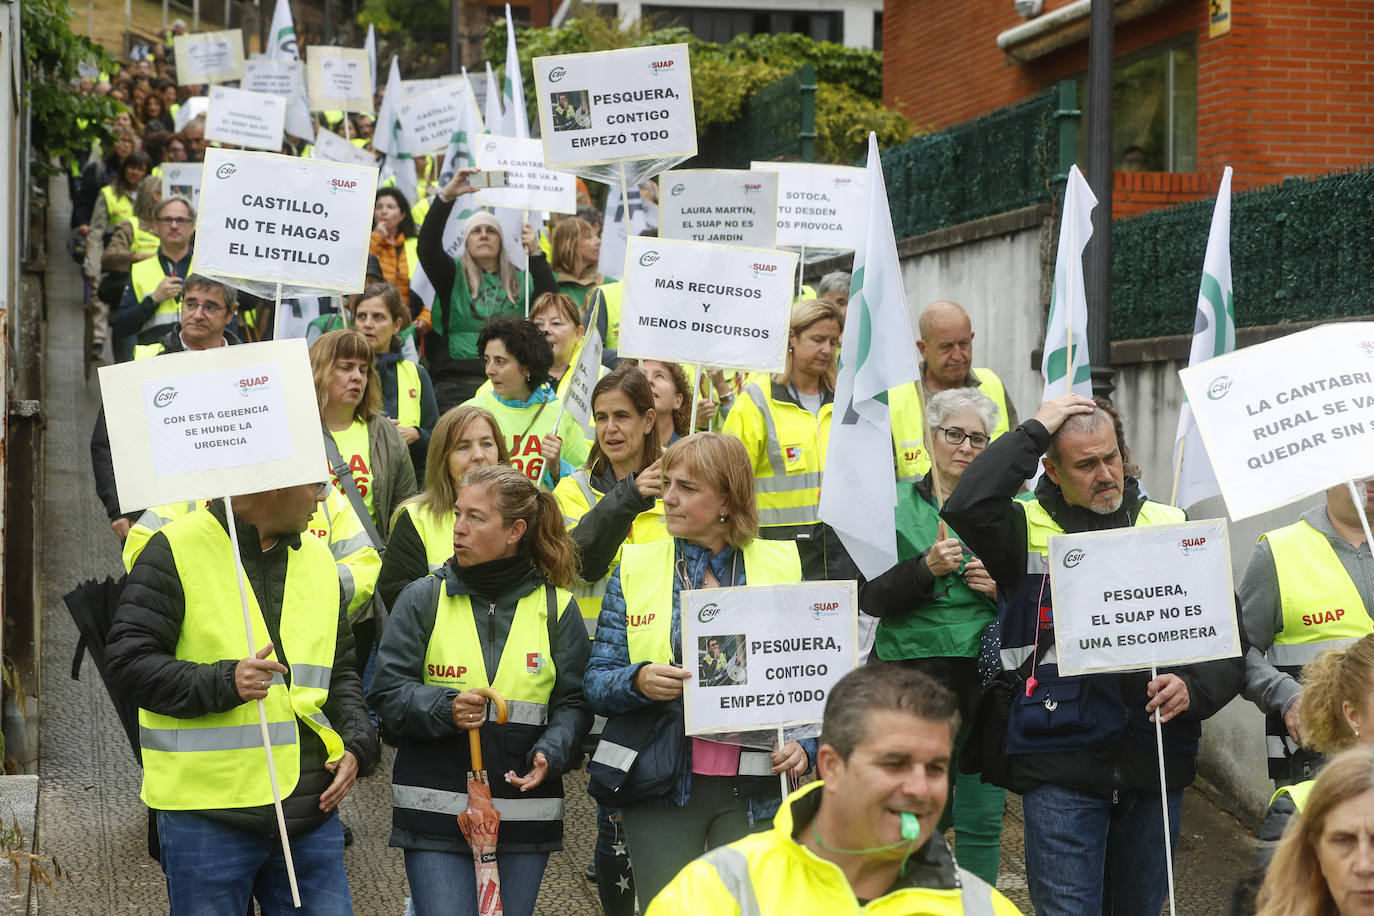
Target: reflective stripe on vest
441,801
783,498
1322,608
215,760
525,673
908,424
144,276
407,393
1299,792
646,580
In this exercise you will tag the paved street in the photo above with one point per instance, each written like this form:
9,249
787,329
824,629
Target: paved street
89,813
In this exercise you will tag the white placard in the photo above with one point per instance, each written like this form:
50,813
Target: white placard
429,120
608,106
278,219
708,305
1288,418
182,179
726,206
330,147
275,77
1129,598
209,57
251,119
819,206
412,88
530,186
222,422
190,109
586,373
781,650
338,79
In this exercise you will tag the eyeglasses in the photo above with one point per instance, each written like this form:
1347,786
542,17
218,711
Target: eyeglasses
209,308
176,220
957,437
322,489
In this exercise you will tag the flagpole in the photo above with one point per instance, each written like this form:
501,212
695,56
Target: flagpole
1178,471
625,202
801,272
524,221
696,392
1364,522
1164,799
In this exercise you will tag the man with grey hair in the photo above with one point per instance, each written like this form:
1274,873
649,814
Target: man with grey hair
151,304
946,347
1081,750
834,288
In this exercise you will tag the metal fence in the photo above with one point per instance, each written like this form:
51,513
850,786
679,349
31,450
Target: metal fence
1300,250
777,123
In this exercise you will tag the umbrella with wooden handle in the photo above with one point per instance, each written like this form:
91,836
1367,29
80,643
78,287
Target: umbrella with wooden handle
481,821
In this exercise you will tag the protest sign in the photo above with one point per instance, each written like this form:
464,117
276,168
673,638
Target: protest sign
338,79
707,305
251,119
275,77
1131,598
412,88
529,185
819,206
600,110
765,656
730,206
196,425
209,57
577,399
1287,418
429,120
182,179
191,108
267,220
330,147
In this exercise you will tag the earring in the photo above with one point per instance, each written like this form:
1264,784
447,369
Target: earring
722,518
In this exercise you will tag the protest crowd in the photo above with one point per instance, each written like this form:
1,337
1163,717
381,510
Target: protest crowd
478,528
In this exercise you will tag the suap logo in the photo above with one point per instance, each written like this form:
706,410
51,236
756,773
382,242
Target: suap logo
843,182
1219,387
557,73
765,270
648,259
708,612
661,66
1368,347
1191,546
342,186
226,170
678,189
251,386
1073,558
753,188
824,609
164,397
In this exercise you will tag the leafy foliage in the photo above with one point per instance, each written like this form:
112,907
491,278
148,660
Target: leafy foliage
844,118
64,122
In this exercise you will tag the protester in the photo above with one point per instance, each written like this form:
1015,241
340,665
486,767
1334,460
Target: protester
576,253
834,288
95,175
719,792
176,149
1297,575
517,360
672,391
946,347
152,114
512,560
556,316
152,301
368,460
784,423
934,605
1338,686
194,135
133,240
422,530
176,648
1087,775
1325,862
115,205
479,285
394,242
838,845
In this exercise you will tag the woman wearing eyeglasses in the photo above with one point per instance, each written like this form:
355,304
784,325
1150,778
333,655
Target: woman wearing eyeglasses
784,423
933,606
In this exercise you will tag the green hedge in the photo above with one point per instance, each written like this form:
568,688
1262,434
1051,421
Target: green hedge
769,128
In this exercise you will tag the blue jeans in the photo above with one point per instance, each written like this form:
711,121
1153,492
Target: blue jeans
213,869
445,883
615,879
1087,854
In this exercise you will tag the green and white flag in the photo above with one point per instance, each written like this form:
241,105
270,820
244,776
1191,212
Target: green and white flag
458,155
282,45
859,489
493,110
1214,333
1065,364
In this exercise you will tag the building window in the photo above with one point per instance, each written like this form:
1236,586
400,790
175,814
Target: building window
720,24
1154,111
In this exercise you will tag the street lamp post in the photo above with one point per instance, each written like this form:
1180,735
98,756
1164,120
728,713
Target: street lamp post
1101,58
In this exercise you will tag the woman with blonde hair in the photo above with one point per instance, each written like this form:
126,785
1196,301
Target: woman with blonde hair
717,792
1324,865
512,562
465,438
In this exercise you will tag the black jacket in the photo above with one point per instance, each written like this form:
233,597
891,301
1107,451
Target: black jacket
102,464
141,652
604,527
905,585
405,559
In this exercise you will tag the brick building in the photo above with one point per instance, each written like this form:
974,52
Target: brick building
1274,89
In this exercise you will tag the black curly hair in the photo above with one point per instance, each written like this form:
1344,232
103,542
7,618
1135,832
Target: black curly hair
525,342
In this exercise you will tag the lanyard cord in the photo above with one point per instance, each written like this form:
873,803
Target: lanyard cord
911,844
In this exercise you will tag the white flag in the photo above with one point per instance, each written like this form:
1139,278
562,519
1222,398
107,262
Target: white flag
1214,333
370,46
513,123
493,112
281,45
386,133
577,399
458,155
860,483
614,233
1066,336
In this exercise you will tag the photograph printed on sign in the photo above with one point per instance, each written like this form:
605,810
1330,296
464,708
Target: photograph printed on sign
571,110
722,660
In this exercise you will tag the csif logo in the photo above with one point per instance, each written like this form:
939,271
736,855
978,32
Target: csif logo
557,74
764,270
648,259
1073,558
164,397
328,64
490,147
249,386
678,189
226,170
708,612
824,609
661,66
1192,545
1219,387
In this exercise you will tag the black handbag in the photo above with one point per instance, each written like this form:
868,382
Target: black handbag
985,749
111,288
638,757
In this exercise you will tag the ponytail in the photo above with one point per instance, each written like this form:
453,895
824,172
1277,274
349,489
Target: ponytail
1328,681
516,497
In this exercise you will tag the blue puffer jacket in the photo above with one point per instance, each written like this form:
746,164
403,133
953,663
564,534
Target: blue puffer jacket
609,683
